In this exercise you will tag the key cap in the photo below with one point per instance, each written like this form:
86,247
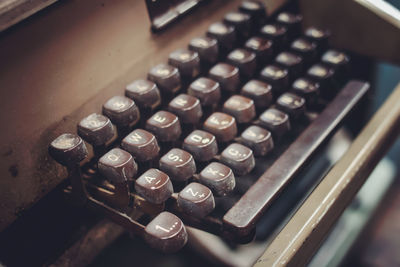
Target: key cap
324,75
186,61
202,145
178,164
244,60
275,121
261,47
291,21
241,22
226,75
118,166
206,90
240,107
196,200
256,10
260,92
187,108
305,48
141,144
319,36
145,93
165,126
238,157
206,47
219,178
166,77
154,186
276,33
292,62
258,139
96,129
338,61
121,110
306,88
222,125
68,149
277,76
224,34
166,233
291,104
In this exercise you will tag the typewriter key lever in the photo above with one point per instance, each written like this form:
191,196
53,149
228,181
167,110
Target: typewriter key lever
165,232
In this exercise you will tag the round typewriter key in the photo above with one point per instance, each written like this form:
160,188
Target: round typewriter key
206,47
96,129
219,178
206,90
187,62
121,110
324,75
222,125
319,36
196,200
142,145
305,48
241,22
154,186
118,166
240,107
291,21
178,164
293,63
239,157
165,126
244,60
306,88
276,33
166,232
337,60
224,34
260,92
292,104
275,121
68,149
202,145
144,92
256,10
226,75
166,77
276,76
261,47
258,139
187,108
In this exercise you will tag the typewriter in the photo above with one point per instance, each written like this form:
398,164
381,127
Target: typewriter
227,134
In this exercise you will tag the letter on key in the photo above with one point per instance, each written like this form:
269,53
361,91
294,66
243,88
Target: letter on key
240,107
206,47
276,121
68,149
239,157
154,186
260,92
166,77
117,165
96,129
219,178
165,126
166,232
202,145
292,104
144,92
141,144
206,90
222,125
121,110
196,199
187,62
187,108
258,139
226,75
244,60
178,164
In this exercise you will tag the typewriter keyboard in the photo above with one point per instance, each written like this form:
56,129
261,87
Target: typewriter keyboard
211,137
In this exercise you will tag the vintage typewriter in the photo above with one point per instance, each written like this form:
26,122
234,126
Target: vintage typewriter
227,134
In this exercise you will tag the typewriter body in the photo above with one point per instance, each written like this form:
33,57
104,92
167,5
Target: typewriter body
220,122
